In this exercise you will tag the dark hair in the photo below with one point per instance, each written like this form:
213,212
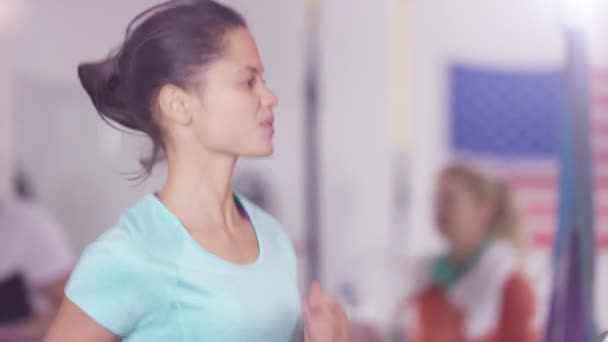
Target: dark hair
163,45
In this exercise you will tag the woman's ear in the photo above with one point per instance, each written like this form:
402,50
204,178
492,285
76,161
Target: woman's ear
173,103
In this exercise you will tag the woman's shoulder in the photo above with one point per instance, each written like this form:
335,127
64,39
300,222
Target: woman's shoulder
116,281
115,253
517,288
110,284
142,229
114,244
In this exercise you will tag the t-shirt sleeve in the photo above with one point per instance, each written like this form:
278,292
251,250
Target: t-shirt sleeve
108,288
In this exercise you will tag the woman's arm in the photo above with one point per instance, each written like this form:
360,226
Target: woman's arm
73,325
518,312
324,318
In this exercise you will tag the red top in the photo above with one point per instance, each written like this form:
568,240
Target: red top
441,321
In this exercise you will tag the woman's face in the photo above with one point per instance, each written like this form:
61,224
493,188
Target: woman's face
460,215
234,107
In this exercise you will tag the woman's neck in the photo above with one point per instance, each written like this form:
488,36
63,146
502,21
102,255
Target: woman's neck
200,193
463,254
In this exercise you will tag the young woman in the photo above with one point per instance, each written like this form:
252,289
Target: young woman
476,291
195,261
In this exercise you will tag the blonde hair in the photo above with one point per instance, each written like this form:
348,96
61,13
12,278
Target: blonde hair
505,222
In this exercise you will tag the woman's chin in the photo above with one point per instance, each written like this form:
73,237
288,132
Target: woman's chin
261,152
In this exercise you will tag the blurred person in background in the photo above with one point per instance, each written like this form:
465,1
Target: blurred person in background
35,258
475,292
35,262
195,261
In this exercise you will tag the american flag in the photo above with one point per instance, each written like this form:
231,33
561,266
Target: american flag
508,121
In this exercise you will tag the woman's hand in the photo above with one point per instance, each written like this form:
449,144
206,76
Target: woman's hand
324,318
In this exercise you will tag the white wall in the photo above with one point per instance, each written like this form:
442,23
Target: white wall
75,159
6,158
9,20
356,151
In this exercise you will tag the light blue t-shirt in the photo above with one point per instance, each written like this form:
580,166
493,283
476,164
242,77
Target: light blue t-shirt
147,279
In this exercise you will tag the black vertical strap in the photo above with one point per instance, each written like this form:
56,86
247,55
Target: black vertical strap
311,143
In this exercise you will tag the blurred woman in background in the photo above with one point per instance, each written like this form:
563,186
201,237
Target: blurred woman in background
476,291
